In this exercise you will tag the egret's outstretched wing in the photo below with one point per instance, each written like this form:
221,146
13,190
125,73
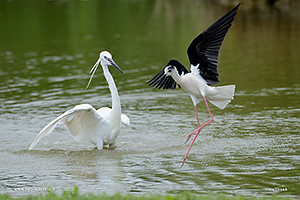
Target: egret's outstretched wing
203,51
78,120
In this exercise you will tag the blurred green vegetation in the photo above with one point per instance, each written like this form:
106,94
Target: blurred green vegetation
75,195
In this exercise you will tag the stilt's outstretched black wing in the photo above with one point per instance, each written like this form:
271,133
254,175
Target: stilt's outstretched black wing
161,81
203,52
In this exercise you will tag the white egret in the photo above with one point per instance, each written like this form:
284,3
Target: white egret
100,127
203,54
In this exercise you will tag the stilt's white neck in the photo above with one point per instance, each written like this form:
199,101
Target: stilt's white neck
176,76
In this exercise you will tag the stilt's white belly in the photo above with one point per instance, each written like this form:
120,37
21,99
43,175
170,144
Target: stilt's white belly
194,86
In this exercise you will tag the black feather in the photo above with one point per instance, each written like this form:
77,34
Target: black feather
204,49
161,81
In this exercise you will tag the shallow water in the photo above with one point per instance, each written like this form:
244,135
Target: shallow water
252,147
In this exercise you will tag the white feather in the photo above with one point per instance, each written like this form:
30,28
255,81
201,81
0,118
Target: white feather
100,127
125,120
195,71
76,121
220,96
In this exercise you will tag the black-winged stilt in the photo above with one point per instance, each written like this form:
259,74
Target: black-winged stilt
100,127
203,54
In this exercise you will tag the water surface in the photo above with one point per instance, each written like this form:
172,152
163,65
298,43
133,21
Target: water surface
48,47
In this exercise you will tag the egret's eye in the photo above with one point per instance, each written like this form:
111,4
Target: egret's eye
105,57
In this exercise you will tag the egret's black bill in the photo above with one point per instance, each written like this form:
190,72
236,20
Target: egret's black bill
112,62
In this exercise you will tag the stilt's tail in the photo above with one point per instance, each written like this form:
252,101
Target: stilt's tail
222,95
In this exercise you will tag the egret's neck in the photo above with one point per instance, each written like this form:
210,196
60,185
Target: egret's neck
116,105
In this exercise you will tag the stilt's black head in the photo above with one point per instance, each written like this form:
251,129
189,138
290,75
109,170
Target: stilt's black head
163,80
175,64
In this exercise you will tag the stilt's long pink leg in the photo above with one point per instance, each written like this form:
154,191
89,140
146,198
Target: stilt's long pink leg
199,129
190,148
188,137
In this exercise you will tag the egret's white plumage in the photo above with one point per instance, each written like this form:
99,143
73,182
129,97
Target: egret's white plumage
203,54
100,127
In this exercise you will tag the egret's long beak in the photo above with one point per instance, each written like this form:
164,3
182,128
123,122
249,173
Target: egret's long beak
112,62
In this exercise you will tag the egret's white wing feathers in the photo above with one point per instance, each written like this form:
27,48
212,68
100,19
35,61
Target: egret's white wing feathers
77,120
82,123
49,128
125,120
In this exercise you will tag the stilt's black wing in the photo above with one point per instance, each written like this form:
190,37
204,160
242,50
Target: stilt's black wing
204,49
161,81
